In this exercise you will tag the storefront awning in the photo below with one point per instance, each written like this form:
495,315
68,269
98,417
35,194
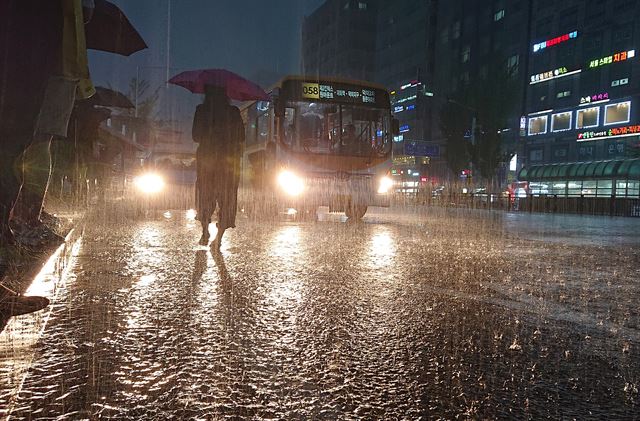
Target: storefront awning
614,169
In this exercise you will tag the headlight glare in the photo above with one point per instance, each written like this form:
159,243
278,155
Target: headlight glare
290,183
149,183
385,185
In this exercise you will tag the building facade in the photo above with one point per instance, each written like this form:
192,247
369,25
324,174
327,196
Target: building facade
338,39
583,99
404,64
476,43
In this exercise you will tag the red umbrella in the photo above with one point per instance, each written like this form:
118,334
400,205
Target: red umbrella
110,30
237,87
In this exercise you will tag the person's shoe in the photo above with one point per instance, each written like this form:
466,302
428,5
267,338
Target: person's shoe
38,236
50,220
17,305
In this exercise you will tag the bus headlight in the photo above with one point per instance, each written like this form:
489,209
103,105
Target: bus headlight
290,183
385,185
149,183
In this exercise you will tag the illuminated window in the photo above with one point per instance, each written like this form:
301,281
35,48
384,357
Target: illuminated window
538,125
466,54
561,122
362,5
589,117
512,63
498,15
617,113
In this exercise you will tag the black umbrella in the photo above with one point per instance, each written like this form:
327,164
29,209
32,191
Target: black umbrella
110,30
105,97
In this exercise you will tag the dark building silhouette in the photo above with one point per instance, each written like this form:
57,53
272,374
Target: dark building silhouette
338,39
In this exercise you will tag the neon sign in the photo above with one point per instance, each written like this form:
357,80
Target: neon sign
554,41
614,58
593,98
610,133
552,74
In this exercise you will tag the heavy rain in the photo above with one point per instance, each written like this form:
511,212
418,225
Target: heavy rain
319,209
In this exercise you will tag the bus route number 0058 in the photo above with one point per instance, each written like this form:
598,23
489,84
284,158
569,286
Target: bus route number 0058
311,90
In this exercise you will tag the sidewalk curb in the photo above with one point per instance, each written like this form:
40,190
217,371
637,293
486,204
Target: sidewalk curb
21,334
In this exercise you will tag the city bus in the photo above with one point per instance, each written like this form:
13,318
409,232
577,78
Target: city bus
318,142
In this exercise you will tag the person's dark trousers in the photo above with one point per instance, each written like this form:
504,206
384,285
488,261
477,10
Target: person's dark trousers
36,174
30,42
10,178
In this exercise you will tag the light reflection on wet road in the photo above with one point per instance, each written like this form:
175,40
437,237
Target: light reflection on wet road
407,315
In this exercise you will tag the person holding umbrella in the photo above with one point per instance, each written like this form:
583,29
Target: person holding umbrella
219,131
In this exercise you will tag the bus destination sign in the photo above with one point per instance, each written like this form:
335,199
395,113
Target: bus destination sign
337,92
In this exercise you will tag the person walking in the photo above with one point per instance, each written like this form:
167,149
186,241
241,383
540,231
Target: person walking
219,131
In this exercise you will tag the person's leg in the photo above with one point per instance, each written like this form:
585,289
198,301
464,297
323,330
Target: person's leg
9,184
204,221
227,207
37,174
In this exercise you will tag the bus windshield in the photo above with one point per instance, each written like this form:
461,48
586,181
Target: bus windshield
337,129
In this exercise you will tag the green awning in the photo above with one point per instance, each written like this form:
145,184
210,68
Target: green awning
590,170
610,169
634,170
614,169
599,170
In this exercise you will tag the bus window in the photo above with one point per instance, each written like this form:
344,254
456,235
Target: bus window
336,129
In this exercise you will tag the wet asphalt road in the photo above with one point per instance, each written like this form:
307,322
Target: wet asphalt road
414,313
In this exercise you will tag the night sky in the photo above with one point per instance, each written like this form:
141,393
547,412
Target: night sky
257,39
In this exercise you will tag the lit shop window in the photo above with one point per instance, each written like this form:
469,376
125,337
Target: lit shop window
617,113
498,15
589,117
561,122
538,125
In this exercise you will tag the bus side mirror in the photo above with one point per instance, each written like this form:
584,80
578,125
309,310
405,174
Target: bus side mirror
395,127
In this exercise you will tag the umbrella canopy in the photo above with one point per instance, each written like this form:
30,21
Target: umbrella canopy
105,97
109,30
236,86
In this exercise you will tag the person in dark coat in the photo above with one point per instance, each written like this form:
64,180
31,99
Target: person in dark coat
219,132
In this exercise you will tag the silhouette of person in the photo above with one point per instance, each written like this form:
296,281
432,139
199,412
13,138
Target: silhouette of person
219,132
